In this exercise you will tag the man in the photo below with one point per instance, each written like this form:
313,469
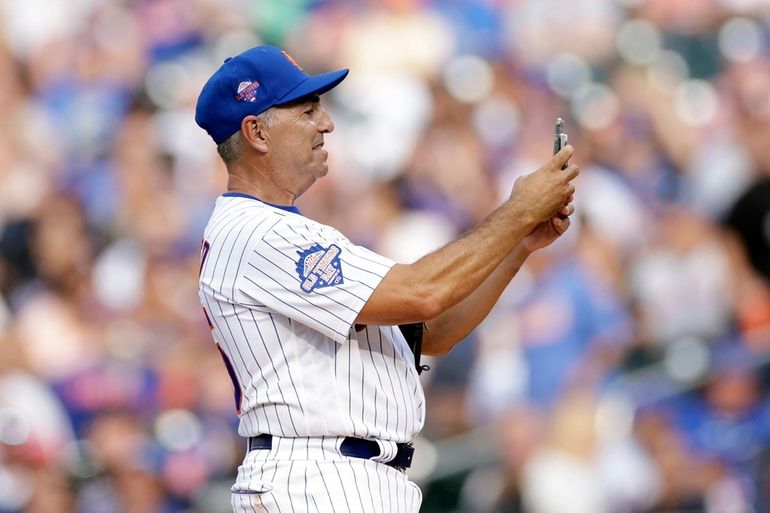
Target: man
326,386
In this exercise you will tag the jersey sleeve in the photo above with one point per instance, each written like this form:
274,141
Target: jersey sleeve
314,275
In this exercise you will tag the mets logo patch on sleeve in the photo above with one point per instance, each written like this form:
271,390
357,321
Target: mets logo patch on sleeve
319,267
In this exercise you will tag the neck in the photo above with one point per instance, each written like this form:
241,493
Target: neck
260,183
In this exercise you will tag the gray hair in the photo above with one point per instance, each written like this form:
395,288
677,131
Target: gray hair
230,148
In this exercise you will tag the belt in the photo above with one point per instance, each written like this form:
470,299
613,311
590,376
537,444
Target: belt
353,447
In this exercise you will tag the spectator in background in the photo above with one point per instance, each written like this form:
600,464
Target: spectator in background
35,433
679,279
685,478
728,423
748,243
585,464
570,325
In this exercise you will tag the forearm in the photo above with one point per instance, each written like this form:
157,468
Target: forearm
447,276
467,263
455,324
437,282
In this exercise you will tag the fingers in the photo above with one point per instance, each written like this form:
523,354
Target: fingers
568,175
571,172
560,159
551,186
560,224
566,210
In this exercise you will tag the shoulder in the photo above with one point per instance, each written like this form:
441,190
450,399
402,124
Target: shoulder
305,230
234,215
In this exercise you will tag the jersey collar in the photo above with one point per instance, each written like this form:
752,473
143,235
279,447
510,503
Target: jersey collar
287,208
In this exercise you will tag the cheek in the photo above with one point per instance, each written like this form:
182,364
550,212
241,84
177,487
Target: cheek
296,153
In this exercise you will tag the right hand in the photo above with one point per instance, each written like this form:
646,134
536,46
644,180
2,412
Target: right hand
541,194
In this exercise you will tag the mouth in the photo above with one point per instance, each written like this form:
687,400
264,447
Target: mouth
318,146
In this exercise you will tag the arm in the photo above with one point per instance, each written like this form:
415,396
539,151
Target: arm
423,290
453,325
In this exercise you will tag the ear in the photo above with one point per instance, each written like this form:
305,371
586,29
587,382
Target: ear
255,133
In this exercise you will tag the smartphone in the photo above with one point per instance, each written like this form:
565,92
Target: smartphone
559,137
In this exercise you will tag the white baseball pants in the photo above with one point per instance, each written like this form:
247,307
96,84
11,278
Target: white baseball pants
309,475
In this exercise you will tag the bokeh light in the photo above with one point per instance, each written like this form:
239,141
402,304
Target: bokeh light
696,102
178,430
567,73
166,82
740,39
668,71
469,78
595,106
497,120
639,42
687,360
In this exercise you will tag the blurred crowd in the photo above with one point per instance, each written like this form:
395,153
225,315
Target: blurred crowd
623,371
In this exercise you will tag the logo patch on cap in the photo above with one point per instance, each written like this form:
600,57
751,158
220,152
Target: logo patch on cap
247,91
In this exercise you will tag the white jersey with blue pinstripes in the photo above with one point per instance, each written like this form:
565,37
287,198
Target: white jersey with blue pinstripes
281,293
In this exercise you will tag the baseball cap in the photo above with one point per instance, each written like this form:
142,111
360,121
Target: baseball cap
252,82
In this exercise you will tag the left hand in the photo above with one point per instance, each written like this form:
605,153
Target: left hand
550,230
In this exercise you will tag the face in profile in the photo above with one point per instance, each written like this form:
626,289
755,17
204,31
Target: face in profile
296,142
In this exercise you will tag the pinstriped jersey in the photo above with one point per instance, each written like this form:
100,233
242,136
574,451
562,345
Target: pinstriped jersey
281,293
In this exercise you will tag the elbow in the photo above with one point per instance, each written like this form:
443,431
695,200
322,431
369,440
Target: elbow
437,346
421,297
440,337
427,306
431,310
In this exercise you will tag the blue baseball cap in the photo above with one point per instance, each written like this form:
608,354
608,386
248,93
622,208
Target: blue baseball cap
251,83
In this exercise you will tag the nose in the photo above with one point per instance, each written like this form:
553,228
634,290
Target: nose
325,125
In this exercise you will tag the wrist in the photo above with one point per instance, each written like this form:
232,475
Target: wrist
523,217
524,250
